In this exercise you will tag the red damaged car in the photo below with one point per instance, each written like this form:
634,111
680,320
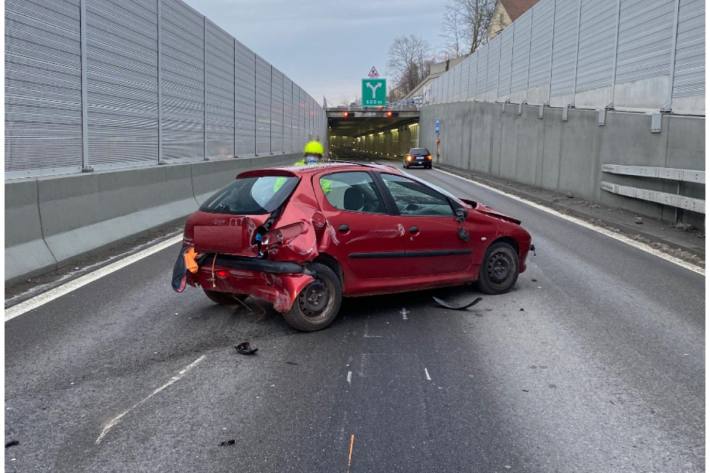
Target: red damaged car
302,238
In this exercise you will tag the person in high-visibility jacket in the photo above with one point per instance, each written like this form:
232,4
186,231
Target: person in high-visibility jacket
312,153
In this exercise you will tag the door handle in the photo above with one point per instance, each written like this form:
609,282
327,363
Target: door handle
343,228
414,230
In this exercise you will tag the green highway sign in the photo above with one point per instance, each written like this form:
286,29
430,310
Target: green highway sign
374,92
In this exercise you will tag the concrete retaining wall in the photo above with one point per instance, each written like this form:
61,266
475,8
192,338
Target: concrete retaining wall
49,221
515,143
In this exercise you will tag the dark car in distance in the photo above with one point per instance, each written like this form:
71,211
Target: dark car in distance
417,157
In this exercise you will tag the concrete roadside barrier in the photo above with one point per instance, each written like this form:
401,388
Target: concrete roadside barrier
85,212
52,220
25,249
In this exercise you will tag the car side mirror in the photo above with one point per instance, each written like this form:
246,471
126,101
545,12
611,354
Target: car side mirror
460,214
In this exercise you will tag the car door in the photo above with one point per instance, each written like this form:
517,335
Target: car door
436,242
367,237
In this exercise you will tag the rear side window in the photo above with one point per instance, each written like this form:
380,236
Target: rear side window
353,191
414,198
252,195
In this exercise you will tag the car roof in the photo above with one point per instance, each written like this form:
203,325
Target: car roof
319,168
332,166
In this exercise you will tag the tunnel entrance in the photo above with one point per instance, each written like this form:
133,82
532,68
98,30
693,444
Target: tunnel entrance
371,133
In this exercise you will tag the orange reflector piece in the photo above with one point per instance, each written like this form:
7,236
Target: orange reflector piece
189,257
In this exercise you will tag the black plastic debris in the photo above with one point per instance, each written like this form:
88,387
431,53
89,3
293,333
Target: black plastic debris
465,306
179,279
227,442
12,443
245,348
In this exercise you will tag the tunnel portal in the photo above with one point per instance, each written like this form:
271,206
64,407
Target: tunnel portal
371,133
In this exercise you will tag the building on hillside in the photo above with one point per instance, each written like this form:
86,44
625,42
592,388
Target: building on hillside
506,12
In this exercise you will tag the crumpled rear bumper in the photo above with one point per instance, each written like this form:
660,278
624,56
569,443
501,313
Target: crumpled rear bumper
277,283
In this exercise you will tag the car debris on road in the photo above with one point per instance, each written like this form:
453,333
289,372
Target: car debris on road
464,306
245,348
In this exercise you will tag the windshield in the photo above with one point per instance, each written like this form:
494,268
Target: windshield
435,187
252,195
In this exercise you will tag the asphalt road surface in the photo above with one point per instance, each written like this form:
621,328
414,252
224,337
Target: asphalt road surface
594,363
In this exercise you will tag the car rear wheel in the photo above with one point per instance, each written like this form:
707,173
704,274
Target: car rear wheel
499,270
318,303
224,298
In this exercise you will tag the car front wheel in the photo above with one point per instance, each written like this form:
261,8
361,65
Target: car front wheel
499,270
318,303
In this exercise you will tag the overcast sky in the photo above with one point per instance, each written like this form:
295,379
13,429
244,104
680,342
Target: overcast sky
326,46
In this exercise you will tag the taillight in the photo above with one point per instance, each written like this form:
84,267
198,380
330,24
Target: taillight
428,156
221,273
409,157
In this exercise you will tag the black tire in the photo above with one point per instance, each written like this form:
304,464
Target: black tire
224,298
499,270
309,312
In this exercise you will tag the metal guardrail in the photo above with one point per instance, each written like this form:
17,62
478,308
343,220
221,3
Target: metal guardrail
672,174
655,172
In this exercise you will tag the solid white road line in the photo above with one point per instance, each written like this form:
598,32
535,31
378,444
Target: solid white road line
59,291
604,231
173,380
350,377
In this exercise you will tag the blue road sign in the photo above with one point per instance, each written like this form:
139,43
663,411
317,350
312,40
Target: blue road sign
437,126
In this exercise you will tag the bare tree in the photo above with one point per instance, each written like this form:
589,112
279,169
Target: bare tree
466,24
453,32
408,62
